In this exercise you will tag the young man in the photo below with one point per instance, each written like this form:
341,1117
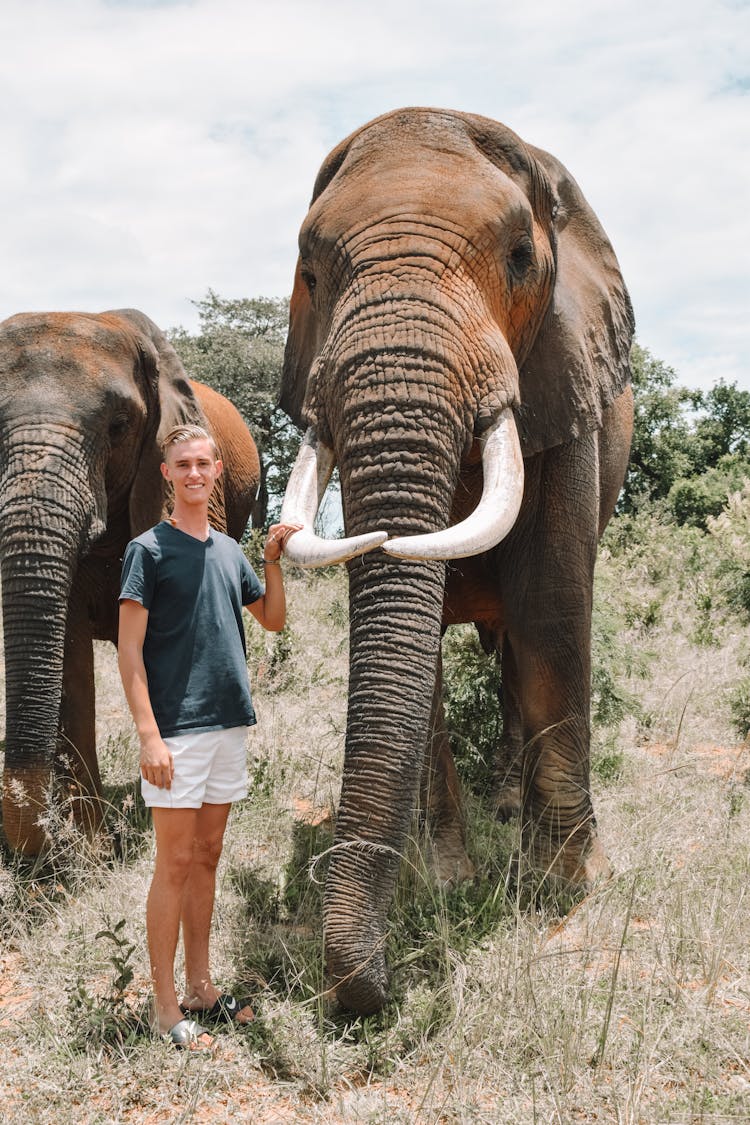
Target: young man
182,660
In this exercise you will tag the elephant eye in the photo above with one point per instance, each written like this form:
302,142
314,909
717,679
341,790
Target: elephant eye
118,427
520,259
309,279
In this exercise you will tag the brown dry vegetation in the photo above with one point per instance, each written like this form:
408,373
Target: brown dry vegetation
635,1007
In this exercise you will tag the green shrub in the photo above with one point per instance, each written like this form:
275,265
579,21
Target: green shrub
608,763
105,1020
621,607
739,705
729,534
473,708
695,499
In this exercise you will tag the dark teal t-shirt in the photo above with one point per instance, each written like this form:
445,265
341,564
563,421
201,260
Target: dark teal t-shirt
194,650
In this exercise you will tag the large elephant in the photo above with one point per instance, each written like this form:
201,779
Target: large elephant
459,346
83,401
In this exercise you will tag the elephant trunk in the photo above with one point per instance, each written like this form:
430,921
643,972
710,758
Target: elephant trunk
401,404
395,616
48,519
395,612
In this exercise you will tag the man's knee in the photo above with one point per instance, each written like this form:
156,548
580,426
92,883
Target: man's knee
175,862
207,850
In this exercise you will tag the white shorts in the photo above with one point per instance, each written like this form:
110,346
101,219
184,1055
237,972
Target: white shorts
210,767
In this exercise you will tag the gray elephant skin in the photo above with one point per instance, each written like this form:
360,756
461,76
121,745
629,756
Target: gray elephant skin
455,290
83,400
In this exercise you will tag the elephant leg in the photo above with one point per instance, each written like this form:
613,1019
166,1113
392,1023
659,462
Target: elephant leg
77,757
549,633
509,760
558,823
441,801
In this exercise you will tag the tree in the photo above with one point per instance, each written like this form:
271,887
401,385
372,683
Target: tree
690,448
724,429
693,499
239,351
659,454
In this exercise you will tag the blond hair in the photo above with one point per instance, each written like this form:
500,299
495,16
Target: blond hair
187,432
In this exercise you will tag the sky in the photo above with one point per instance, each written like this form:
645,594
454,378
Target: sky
153,149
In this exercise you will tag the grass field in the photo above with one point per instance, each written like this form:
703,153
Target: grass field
634,1007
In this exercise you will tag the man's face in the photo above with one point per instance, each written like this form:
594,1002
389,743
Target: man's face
192,469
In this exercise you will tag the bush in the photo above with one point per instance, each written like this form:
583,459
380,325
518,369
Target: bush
473,708
739,706
730,537
696,499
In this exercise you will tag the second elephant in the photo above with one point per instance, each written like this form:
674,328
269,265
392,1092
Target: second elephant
84,399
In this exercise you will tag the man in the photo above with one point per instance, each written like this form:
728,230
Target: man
182,660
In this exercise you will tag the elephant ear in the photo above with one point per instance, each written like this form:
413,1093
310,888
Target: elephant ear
302,339
580,359
299,352
170,401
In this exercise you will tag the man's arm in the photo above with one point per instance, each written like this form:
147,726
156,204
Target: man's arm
270,609
157,765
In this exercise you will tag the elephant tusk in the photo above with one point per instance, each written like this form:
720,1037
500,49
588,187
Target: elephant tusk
307,484
495,513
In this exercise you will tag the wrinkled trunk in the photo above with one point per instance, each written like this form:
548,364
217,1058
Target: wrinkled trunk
399,454
34,619
46,521
397,390
395,611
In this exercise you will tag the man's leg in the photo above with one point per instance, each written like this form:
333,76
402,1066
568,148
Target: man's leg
198,903
197,909
175,832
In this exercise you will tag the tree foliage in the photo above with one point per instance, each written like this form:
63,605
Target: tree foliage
239,351
658,454
690,448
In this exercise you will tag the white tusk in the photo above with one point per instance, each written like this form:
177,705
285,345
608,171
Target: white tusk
495,513
307,484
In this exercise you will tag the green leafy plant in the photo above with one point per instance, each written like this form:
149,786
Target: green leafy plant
729,535
473,707
105,1019
279,662
738,698
608,762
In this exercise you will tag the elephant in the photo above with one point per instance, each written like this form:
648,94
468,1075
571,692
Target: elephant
84,399
458,345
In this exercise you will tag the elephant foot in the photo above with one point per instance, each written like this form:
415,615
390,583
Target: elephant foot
447,860
26,797
576,866
596,867
507,803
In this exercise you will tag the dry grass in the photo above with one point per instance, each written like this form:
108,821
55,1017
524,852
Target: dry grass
635,1007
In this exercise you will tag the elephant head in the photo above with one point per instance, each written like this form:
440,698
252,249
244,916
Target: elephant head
82,398
454,296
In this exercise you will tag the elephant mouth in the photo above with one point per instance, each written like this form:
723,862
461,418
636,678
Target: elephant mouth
484,528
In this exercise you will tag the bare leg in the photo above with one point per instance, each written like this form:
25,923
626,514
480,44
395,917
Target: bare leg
197,909
175,832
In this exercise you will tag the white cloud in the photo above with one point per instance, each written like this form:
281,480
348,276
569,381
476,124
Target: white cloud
151,150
